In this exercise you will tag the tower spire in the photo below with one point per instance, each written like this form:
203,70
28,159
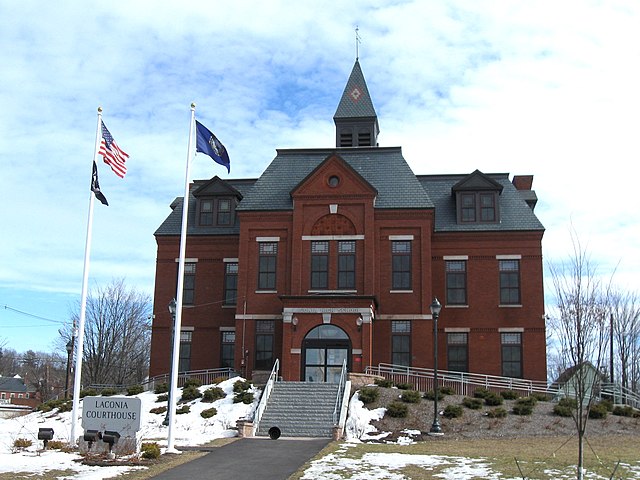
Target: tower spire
357,43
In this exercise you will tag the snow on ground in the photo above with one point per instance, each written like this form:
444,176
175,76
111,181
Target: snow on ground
189,429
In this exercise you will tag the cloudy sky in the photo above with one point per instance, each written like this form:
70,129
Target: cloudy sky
545,88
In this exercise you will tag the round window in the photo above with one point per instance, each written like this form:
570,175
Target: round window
333,181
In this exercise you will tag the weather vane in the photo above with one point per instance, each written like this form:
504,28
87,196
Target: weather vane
357,43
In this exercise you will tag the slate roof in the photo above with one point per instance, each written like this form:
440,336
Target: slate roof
173,223
515,214
357,106
384,168
12,384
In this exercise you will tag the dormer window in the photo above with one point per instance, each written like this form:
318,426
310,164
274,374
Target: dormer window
476,198
215,212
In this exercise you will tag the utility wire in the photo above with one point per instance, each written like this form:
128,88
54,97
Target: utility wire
7,307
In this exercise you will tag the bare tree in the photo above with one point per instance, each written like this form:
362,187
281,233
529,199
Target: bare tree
117,335
625,323
581,328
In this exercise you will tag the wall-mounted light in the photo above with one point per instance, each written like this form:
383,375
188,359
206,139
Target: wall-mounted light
359,323
294,322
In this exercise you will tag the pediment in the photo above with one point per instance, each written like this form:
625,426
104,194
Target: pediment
334,177
216,187
477,181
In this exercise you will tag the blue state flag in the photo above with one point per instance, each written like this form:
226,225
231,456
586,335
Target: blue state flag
208,143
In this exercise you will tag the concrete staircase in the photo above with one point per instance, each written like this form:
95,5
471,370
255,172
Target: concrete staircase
300,409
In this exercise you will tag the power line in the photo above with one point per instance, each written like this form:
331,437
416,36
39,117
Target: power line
7,307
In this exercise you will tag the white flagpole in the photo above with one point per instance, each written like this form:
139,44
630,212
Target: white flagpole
83,301
173,383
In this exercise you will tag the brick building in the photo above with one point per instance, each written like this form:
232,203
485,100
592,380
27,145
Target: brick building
337,253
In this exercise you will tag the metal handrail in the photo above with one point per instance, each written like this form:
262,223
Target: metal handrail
462,382
340,394
205,376
262,405
621,395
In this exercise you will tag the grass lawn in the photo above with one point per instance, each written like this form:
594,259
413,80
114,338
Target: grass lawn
542,457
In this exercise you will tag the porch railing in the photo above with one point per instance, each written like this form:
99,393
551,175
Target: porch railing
340,395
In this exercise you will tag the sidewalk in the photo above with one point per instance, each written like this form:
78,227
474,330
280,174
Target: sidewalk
250,458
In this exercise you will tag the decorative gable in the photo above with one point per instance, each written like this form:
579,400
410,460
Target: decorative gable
334,178
216,203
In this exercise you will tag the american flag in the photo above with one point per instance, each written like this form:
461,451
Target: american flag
112,154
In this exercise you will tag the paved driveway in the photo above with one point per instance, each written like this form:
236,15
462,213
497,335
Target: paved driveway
246,458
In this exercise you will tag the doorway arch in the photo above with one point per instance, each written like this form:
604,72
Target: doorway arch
324,349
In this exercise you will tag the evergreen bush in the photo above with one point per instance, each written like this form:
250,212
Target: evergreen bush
623,411
481,393
598,411
88,392
192,382
368,394
430,395
452,411
161,388
190,393
446,390
21,443
183,409
164,397
243,397
158,410
541,397
472,403
384,382
397,409
209,412
135,390
404,386
524,406
509,395
108,392
498,412
493,400
241,386
410,396
150,450
565,407
212,394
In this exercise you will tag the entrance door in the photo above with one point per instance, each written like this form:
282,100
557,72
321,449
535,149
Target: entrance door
324,350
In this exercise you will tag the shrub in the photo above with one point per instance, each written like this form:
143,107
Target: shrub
452,411
397,409
218,380
410,396
493,400
190,393
368,394
135,390
243,397
509,395
498,412
623,411
22,443
183,409
524,406
164,397
540,397
430,395
158,410
150,450
384,382
212,394
446,391
192,382
599,410
57,445
161,388
209,412
108,392
241,386
404,386
472,403
481,393
88,392
61,404
565,407
606,403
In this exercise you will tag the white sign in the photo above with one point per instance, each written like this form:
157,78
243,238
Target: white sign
117,414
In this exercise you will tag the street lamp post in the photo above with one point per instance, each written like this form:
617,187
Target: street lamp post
66,381
172,311
435,313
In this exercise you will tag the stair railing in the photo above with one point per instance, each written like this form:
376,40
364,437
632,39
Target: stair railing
273,377
340,394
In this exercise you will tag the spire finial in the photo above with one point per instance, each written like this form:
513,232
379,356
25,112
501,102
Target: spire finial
357,43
